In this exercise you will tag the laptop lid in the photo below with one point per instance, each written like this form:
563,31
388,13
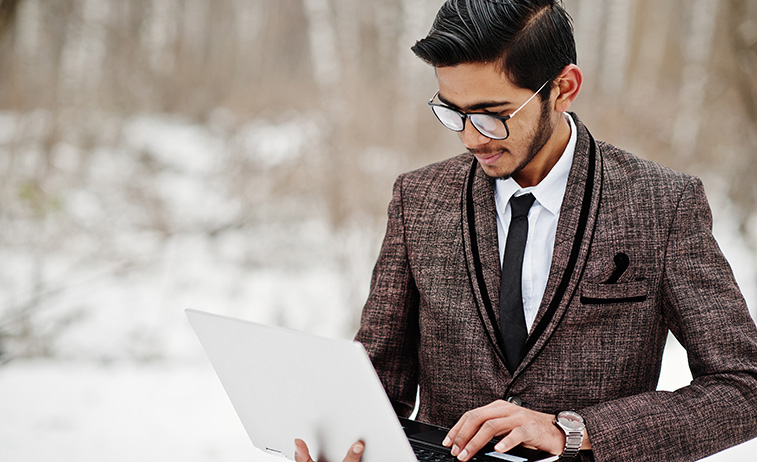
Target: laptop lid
285,385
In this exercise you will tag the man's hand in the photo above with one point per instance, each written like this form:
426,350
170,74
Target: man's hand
302,454
519,425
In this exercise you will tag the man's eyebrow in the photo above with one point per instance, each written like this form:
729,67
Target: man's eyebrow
475,107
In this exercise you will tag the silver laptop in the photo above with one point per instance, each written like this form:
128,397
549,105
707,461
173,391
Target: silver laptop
285,385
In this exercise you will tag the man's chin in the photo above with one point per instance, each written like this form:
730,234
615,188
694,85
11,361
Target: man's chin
496,172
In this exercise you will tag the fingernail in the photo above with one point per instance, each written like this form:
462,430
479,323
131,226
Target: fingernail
499,447
357,449
463,455
455,451
446,441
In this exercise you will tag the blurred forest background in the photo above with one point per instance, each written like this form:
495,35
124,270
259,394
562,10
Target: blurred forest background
238,155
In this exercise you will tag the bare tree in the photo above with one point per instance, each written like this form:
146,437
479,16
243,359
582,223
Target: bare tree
8,9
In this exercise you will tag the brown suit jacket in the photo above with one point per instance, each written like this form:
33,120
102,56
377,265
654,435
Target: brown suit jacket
432,316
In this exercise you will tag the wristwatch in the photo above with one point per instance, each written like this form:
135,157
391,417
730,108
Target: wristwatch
573,426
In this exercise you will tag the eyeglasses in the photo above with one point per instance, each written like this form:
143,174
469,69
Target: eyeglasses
490,125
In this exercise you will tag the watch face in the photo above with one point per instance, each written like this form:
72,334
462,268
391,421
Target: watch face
571,420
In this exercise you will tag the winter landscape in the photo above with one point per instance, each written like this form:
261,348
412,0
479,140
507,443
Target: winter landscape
163,155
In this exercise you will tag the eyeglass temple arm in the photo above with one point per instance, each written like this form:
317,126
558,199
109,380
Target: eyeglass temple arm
516,111
529,99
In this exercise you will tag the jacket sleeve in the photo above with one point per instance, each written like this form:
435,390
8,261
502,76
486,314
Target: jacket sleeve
389,324
706,312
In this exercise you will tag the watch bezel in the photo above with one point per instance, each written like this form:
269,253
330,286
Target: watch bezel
572,420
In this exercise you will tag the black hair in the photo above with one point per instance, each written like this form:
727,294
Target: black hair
531,40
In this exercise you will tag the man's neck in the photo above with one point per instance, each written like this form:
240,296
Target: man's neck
550,153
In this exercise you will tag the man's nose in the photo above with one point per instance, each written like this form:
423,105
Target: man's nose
471,137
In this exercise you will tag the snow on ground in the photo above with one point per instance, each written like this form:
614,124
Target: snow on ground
118,412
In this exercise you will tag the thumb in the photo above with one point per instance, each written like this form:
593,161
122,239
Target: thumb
301,452
355,452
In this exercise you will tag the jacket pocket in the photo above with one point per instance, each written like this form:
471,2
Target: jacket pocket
594,294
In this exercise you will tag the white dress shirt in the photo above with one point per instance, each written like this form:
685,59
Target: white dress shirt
542,224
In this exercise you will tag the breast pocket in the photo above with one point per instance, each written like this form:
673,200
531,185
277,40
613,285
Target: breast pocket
628,292
603,305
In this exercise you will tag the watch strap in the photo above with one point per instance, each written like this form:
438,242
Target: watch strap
573,441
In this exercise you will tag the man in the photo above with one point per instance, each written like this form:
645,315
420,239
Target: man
499,335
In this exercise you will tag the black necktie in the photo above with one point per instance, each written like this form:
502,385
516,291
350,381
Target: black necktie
512,320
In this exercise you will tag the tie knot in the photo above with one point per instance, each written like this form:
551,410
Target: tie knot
521,205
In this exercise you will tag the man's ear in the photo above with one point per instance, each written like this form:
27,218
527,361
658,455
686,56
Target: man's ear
568,85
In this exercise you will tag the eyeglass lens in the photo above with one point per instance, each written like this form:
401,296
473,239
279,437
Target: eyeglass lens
489,126
484,123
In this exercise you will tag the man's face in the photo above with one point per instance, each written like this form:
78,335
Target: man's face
477,87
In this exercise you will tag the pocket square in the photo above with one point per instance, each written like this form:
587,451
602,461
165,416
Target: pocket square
622,263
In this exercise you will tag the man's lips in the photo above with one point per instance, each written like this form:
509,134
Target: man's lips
488,158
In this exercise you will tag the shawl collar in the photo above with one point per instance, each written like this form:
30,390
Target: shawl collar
479,215
574,230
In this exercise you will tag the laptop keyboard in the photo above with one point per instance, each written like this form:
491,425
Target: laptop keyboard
424,454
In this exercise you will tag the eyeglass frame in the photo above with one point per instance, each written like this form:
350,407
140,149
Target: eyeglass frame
464,116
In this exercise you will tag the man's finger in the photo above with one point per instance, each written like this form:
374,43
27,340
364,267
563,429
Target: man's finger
355,452
471,417
452,433
472,422
486,432
301,452
512,439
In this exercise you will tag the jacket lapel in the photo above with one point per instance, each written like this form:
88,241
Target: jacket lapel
479,216
575,227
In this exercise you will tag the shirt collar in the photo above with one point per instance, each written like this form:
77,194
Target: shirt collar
551,190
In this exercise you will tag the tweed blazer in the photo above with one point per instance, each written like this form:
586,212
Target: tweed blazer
431,322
